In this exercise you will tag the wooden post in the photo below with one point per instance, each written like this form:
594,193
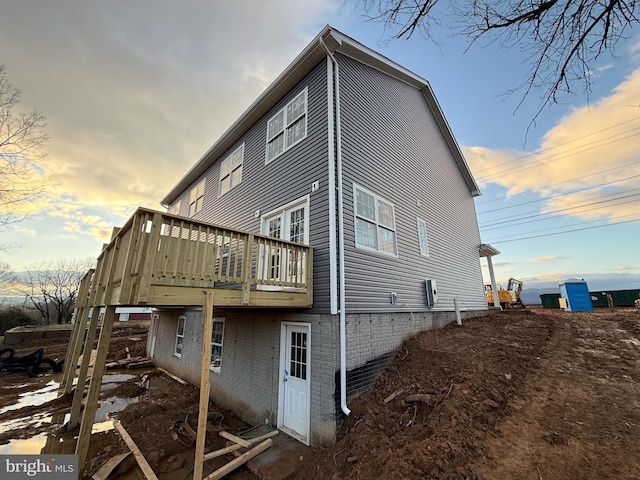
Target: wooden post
82,375
151,253
73,350
91,402
247,262
77,334
207,320
126,285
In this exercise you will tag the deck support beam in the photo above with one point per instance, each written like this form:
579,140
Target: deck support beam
84,368
91,403
207,320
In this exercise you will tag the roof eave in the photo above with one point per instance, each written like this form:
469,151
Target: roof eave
335,41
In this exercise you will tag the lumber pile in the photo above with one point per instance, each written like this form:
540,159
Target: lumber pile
130,363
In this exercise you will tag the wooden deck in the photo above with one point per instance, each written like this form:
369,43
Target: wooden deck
157,259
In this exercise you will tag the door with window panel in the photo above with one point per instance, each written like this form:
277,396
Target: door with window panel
288,224
296,380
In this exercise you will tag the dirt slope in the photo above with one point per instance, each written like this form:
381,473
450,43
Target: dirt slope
517,395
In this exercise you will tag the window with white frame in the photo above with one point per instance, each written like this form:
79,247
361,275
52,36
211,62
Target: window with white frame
217,336
290,222
175,208
179,344
374,222
231,170
196,198
422,237
287,127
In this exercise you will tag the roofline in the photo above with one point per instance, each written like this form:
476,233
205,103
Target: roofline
335,41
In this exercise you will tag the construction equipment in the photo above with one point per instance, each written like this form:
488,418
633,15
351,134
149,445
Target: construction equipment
509,298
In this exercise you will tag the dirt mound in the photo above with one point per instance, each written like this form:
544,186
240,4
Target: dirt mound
447,406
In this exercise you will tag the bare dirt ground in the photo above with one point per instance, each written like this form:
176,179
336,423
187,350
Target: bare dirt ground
525,394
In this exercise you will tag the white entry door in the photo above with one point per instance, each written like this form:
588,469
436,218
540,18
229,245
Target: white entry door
295,379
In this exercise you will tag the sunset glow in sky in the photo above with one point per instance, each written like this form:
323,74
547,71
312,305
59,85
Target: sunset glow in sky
135,92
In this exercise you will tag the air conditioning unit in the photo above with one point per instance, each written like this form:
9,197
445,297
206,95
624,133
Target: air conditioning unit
432,292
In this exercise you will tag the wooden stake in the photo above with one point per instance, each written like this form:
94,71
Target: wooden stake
171,375
207,320
144,465
234,439
91,402
237,446
241,460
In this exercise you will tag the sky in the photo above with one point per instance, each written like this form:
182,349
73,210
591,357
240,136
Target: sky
135,92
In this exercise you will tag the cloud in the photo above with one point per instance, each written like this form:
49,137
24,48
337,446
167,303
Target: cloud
592,149
136,92
26,231
545,259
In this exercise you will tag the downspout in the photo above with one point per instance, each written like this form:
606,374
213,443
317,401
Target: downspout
341,274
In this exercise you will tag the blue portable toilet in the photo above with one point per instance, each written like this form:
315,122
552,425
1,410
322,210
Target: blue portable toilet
577,296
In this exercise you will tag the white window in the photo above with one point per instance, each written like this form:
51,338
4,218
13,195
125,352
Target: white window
231,170
177,349
174,209
422,238
374,222
216,344
196,199
287,127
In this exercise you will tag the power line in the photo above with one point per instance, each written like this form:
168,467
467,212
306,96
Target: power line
502,197
494,242
515,218
558,145
565,226
531,165
559,194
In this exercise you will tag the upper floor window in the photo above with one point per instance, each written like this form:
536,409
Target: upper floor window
175,208
374,222
287,127
231,170
422,238
196,198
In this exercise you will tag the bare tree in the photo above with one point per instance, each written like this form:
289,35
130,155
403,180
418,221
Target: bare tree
7,282
22,136
561,38
51,288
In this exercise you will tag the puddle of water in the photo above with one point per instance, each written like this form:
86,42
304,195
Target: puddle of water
37,397
112,405
28,446
50,391
102,426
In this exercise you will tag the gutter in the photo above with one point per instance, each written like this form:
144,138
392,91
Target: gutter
341,288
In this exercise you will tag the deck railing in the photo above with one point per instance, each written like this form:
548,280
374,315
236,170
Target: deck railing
159,249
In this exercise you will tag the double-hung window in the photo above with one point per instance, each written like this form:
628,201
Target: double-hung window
231,170
179,343
422,238
374,222
287,127
196,198
216,344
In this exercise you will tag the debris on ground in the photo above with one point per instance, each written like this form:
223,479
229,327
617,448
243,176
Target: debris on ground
530,393
33,363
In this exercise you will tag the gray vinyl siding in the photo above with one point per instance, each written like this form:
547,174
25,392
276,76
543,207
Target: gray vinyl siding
392,146
285,179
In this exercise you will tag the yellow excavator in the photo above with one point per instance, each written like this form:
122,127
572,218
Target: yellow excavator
509,298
